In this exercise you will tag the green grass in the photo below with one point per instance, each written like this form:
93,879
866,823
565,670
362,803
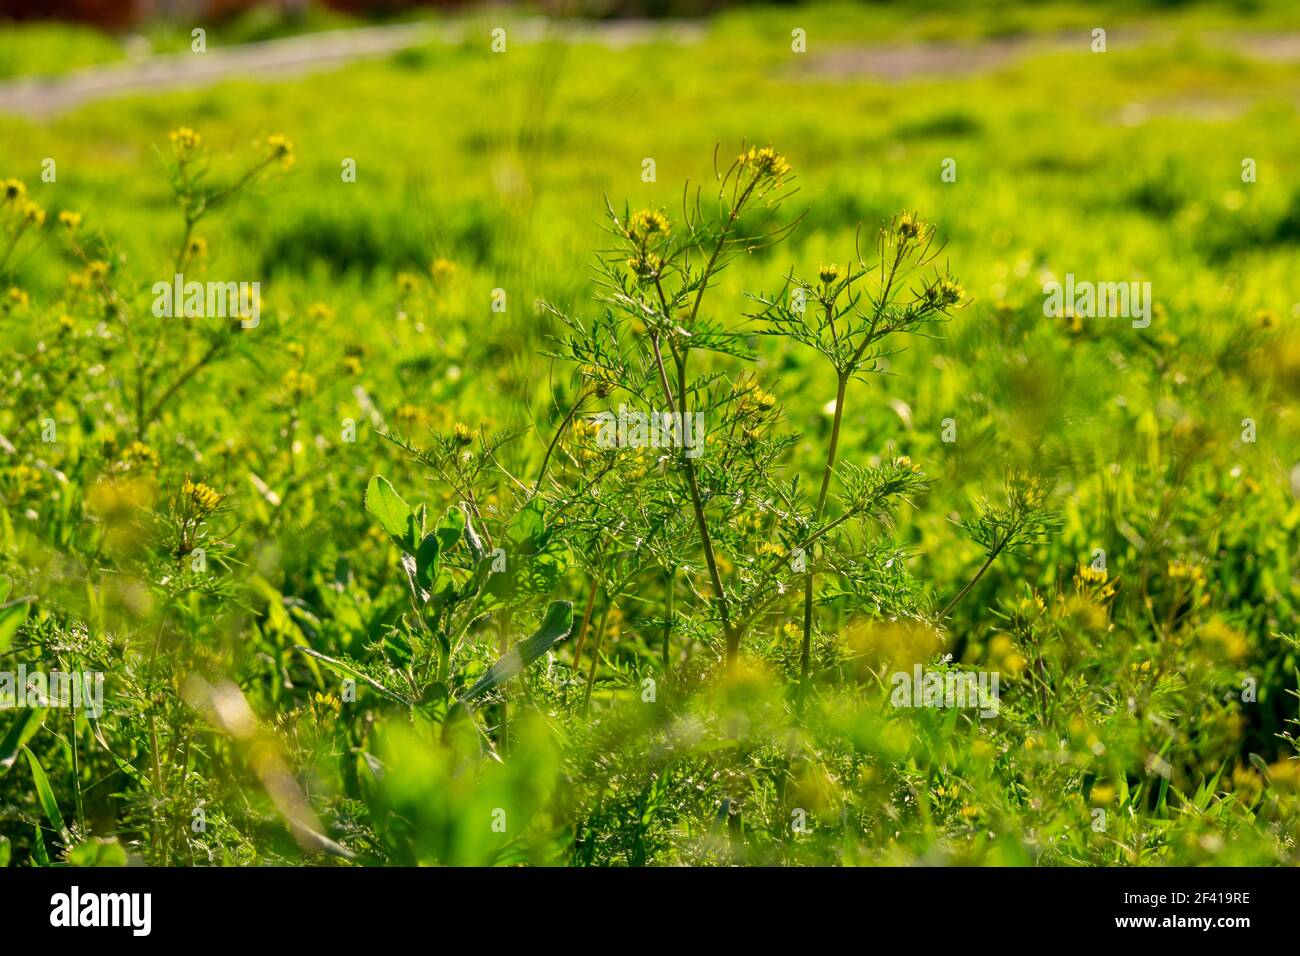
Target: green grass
1115,166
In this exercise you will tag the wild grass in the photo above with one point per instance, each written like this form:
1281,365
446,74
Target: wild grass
478,634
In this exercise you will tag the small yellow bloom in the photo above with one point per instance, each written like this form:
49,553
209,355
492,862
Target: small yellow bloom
33,213
71,220
442,269
1185,571
136,456
765,163
462,434
184,139
203,497
281,148
299,383
320,312
647,223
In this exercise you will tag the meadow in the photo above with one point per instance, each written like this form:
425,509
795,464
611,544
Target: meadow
370,579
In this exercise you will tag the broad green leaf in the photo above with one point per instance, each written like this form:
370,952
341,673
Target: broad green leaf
10,619
27,721
389,509
6,850
97,851
426,560
45,793
415,525
450,528
557,624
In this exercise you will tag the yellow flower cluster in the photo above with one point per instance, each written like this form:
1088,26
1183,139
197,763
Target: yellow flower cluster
281,148
14,193
751,400
203,497
138,456
1186,571
645,265
299,383
647,224
1087,574
765,163
1230,641
23,477
184,139
944,294
442,270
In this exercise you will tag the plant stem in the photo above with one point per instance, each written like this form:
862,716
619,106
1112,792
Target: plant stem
971,583
595,655
670,579
586,621
805,654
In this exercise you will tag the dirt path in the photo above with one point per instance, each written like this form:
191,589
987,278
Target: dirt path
42,98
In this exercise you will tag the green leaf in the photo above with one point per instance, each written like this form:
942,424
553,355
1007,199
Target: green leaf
348,670
450,528
426,560
98,851
6,851
45,793
415,525
557,624
24,727
392,513
39,852
11,618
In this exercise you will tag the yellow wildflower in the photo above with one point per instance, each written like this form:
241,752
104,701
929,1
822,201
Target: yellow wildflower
203,497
